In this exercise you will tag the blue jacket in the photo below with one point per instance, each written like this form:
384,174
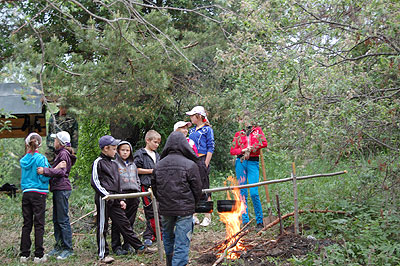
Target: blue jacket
30,180
203,139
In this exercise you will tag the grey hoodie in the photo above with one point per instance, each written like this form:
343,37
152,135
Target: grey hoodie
129,179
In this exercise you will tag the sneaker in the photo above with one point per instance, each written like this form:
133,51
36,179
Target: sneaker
196,220
65,254
146,250
55,252
40,260
206,221
259,227
129,249
23,259
119,251
148,242
107,259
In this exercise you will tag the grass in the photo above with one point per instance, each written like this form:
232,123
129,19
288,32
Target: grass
369,236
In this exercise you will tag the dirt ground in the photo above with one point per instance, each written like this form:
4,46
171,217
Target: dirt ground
260,248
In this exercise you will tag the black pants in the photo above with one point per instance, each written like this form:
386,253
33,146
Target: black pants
132,205
112,209
150,231
204,175
33,212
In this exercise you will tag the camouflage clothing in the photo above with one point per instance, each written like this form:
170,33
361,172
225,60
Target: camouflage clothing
61,123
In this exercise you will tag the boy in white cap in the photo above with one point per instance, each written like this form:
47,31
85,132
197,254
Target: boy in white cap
182,126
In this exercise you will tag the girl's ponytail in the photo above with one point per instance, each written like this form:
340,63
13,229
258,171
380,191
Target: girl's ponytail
33,141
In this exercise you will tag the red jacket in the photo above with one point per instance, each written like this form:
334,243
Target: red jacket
257,142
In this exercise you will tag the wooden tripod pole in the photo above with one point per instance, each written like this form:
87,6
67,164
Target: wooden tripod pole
265,179
296,207
157,222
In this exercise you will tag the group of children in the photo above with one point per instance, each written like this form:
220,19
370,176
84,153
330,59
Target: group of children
177,178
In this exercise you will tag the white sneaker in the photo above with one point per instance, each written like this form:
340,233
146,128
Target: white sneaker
40,260
23,259
196,220
107,260
206,221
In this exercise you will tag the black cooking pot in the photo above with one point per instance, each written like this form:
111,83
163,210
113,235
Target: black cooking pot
204,207
226,205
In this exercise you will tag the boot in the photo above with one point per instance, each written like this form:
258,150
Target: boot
169,259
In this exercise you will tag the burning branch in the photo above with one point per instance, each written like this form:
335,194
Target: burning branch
229,247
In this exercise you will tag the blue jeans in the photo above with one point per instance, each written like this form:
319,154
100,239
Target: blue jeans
62,227
177,233
249,172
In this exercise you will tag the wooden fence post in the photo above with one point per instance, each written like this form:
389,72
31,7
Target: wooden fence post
296,207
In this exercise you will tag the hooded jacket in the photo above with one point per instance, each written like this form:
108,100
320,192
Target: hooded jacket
143,160
60,180
176,180
30,180
128,173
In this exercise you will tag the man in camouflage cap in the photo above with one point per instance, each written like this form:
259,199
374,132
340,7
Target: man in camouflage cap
61,121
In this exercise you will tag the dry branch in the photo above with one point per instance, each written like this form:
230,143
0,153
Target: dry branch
300,211
230,246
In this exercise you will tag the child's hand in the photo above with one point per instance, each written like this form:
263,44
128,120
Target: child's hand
62,164
39,170
123,204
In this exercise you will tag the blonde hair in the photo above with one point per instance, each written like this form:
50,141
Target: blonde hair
152,134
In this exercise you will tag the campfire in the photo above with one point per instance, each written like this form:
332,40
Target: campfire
233,245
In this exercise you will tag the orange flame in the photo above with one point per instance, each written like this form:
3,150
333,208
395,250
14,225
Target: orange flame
232,221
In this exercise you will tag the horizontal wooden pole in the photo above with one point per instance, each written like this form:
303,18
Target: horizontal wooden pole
209,190
126,196
146,194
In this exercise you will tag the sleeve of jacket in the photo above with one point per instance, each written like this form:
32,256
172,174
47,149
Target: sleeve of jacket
154,182
210,140
236,149
195,182
61,172
43,162
96,178
138,159
262,141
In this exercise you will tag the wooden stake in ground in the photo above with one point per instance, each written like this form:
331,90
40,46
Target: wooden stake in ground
279,215
296,207
157,222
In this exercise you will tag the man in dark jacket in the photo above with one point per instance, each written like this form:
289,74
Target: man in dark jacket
176,184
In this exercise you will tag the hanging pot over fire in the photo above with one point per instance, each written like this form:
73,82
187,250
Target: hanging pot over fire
227,205
204,207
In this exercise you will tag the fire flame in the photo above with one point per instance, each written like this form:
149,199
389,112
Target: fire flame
232,221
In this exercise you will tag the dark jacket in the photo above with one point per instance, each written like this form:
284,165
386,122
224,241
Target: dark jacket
128,173
60,180
105,176
143,160
176,180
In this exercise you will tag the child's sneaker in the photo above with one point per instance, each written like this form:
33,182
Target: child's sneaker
148,242
206,221
144,250
23,259
40,260
54,252
196,220
65,254
107,259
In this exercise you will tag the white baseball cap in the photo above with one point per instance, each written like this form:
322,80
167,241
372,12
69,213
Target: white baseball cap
197,110
63,137
181,124
28,138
